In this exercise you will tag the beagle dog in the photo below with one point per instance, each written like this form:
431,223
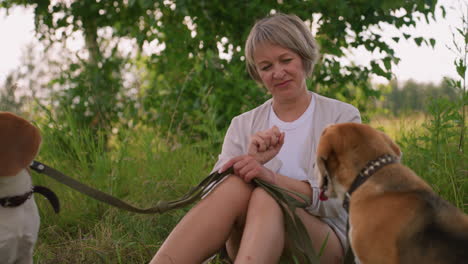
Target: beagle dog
19,217
394,215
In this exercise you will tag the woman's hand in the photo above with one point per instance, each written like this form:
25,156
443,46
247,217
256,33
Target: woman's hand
265,145
248,168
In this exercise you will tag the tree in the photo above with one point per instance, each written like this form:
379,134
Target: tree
412,96
187,86
8,100
23,82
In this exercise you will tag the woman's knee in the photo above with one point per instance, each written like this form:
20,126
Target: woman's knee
233,192
261,200
260,194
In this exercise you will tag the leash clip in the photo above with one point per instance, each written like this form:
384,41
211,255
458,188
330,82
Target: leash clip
37,166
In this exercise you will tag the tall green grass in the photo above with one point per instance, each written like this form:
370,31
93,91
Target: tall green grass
136,166
430,147
435,152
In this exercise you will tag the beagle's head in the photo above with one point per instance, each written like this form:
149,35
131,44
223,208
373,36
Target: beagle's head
19,144
344,149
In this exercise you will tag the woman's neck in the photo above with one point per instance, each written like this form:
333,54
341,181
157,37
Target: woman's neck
291,110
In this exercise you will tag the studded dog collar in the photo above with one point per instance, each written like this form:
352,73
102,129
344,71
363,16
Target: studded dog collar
370,168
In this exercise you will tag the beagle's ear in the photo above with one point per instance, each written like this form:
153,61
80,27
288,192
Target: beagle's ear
19,141
324,150
326,142
321,171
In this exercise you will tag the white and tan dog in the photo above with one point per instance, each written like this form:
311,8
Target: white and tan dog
19,217
394,216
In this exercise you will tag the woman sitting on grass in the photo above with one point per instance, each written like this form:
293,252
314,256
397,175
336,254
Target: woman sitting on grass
275,142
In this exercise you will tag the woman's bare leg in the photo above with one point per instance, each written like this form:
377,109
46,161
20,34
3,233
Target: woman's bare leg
249,220
318,231
263,239
207,226
263,236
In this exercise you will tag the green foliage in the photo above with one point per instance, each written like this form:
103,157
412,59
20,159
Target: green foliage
437,150
202,102
460,47
91,94
433,152
437,153
186,87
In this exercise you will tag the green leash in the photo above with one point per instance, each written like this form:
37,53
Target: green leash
191,196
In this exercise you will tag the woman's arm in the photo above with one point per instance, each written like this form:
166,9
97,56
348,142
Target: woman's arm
292,184
233,145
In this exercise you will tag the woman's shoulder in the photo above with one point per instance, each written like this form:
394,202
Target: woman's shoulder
330,103
259,112
254,119
335,111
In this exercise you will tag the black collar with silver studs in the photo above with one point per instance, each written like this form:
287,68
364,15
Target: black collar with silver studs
370,168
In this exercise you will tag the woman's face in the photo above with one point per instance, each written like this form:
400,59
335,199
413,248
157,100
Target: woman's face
281,71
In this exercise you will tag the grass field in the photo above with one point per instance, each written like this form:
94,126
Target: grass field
397,127
141,168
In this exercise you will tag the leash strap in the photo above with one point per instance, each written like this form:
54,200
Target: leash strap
50,195
162,206
349,257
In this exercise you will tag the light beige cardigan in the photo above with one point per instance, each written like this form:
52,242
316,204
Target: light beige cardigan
326,111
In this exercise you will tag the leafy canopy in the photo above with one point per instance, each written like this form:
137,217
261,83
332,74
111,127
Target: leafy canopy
187,86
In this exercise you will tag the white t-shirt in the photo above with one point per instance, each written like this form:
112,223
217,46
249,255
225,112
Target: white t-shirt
296,133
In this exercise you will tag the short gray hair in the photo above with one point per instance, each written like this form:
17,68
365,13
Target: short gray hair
287,31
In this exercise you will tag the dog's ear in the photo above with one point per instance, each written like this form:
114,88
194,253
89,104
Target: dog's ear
19,141
321,171
324,150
